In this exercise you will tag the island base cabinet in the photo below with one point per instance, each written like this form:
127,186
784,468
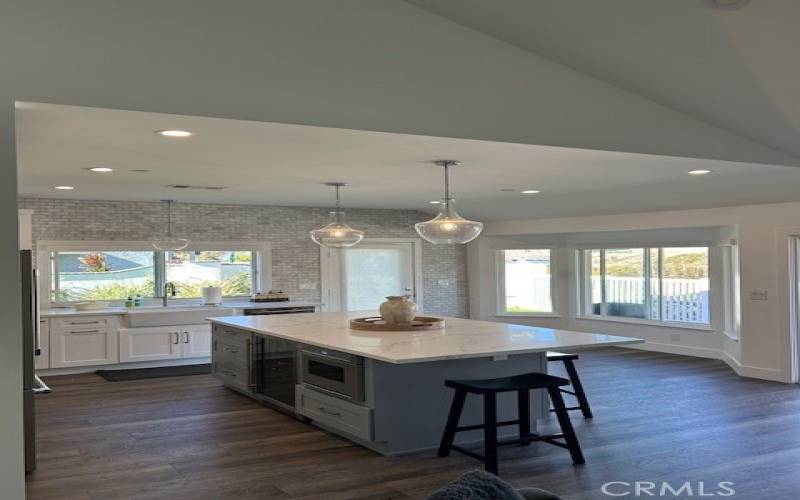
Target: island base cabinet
83,342
334,413
164,343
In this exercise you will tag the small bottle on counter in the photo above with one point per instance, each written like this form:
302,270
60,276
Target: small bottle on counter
137,301
129,303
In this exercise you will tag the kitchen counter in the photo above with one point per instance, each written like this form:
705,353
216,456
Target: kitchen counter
58,312
405,401
459,339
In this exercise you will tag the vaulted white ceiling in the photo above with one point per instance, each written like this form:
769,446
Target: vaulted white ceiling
736,69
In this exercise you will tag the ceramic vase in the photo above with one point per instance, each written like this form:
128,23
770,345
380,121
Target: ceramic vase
398,309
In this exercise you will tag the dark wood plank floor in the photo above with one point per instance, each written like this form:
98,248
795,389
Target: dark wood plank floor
658,417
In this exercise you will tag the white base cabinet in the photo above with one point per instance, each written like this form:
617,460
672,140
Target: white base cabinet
164,342
83,341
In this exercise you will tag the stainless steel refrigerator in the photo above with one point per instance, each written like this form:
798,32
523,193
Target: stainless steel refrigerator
31,336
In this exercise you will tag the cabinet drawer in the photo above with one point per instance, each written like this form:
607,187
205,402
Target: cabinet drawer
231,374
232,353
231,336
83,323
335,413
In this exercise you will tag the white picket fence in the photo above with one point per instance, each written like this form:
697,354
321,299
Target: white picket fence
683,300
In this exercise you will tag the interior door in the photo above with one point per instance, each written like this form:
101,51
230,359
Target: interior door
372,271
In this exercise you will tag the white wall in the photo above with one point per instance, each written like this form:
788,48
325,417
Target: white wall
364,64
763,233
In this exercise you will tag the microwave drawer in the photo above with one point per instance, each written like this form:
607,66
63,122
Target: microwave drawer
231,336
335,413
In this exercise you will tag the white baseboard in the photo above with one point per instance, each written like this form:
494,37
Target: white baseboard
754,371
121,366
705,352
699,352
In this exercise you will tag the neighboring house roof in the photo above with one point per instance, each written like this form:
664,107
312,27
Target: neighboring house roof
70,263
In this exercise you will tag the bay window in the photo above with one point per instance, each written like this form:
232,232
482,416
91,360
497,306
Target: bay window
664,284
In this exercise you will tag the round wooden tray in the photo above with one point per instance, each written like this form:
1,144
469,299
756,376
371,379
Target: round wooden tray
377,324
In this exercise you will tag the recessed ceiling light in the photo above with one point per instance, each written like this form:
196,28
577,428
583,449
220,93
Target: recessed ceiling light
530,191
434,202
699,172
64,188
100,169
174,133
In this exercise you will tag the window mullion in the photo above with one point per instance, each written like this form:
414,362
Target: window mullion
661,284
160,272
603,294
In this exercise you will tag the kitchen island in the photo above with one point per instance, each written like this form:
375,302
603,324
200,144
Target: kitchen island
383,390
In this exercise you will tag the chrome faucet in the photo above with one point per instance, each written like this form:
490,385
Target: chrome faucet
169,289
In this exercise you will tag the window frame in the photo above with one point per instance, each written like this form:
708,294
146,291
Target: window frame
500,273
261,265
584,288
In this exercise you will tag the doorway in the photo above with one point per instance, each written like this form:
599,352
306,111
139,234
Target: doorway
361,277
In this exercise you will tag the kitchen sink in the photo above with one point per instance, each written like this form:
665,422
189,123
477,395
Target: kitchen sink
174,315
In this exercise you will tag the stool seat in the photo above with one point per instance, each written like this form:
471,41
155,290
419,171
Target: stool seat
505,384
560,356
488,390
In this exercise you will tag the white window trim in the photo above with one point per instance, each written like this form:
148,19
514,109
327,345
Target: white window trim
330,269
500,273
584,291
263,266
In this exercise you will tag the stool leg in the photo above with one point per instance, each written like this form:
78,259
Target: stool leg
566,426
577,387
452,422
524,411
490,432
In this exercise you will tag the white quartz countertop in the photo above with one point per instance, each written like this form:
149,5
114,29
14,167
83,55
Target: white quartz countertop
460,338
176,306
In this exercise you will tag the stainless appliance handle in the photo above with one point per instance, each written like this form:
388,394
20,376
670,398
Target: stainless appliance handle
251,374
41,387
37,325
324,355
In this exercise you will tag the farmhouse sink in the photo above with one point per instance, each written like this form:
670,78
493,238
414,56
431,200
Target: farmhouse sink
174,315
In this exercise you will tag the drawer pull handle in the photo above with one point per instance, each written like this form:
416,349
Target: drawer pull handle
84,322
329,412
177,338
228,349
84,332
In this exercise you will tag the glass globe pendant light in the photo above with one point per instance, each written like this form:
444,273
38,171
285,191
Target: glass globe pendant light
337,234
448,227
168,242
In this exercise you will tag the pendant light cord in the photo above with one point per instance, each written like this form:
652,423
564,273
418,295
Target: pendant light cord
447,185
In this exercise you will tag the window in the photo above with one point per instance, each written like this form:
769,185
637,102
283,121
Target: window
190,271
93,271
667,284
730,284
526,281
102,275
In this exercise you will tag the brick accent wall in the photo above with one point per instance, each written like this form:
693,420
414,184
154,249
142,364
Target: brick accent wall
295,258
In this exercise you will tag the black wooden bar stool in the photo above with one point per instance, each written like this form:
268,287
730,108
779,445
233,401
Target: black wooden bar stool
574,380
489,389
